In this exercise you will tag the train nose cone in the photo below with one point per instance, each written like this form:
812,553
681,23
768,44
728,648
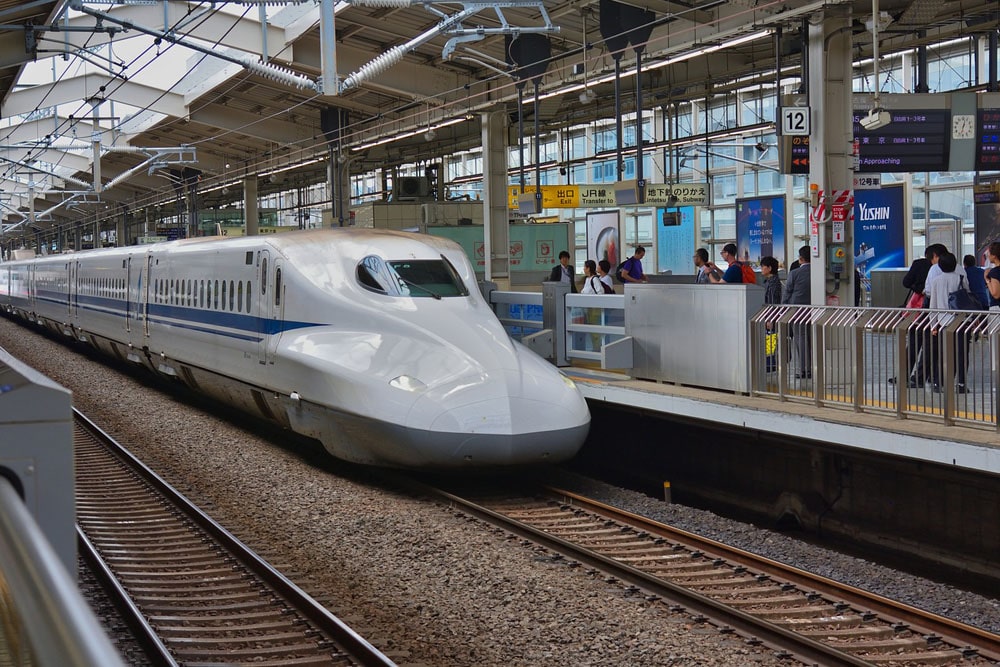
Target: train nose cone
532,416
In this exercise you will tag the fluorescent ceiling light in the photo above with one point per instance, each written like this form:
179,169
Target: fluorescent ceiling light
412,133
736,41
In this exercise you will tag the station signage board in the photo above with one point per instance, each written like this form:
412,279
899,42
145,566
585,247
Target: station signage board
601,195
914,140
988,144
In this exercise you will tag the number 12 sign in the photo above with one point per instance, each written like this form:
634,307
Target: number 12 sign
795,121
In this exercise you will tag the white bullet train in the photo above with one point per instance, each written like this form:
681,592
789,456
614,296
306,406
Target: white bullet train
376,343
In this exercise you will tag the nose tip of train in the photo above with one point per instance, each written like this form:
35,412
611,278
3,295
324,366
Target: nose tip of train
521,428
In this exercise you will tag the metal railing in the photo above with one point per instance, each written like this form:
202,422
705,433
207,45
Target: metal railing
519,312
44,622
939,365
593,320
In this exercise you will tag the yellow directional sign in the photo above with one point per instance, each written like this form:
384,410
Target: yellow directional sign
601,194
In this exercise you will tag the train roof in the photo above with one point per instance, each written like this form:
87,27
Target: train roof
290,243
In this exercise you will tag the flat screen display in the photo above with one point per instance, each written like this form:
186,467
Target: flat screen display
988,136
915,140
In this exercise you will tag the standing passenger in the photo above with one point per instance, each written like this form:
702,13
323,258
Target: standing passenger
604,272
563,272
798,290
591,283
947,281
772,284
977,281
703,267
733,273
993,275
632,267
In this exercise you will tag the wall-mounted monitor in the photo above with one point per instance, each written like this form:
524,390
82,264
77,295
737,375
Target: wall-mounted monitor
628,193
529,204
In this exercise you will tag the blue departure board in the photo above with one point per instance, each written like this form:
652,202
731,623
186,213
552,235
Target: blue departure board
915,140
988,140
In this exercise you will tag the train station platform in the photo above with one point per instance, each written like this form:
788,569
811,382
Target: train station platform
967,447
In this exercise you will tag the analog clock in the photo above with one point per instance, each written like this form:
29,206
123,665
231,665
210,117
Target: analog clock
963,126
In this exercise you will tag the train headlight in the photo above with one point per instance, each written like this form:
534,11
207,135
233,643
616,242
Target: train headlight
407,383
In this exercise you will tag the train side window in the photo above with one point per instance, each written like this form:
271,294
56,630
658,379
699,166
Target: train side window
368,273
190,292
216,300
249,293
263,276
277,287
232,295
224,295
239,297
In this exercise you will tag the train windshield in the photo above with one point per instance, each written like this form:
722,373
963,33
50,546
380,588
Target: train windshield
418,278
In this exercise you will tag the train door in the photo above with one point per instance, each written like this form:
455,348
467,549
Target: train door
277,309
145,291
128,296
72,289
263,304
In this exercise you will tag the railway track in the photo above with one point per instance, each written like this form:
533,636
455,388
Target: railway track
193,593
801,615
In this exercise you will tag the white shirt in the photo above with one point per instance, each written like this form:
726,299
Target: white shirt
590,286
935,272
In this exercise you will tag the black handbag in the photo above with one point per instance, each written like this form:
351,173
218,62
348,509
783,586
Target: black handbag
963,299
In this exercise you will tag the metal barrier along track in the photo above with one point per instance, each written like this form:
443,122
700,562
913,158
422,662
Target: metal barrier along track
814,619
193,593
937,365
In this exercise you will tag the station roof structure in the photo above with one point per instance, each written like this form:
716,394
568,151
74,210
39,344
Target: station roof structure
157,91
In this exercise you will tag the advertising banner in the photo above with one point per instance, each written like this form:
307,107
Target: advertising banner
603,237
879,221
760,229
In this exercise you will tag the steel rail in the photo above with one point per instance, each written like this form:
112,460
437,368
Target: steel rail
359,649
950,630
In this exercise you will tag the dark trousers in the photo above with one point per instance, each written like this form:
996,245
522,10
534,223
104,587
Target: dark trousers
916,340
802,339
962,341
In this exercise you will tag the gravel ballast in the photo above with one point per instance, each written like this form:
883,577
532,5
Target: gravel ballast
424,584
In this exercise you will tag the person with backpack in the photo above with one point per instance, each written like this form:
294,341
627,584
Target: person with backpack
734,271
630,271
591,282
604,273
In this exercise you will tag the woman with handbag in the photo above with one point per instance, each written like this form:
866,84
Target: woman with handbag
943,287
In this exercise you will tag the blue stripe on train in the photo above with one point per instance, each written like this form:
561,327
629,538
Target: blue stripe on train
239,326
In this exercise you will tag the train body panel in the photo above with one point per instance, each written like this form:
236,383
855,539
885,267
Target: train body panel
376,343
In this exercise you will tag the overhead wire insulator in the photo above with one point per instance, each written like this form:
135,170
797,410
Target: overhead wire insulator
382,3
378,65
279,74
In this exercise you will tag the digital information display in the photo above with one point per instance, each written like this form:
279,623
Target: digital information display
988,146
915,140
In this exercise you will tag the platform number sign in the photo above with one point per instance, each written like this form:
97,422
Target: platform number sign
795,121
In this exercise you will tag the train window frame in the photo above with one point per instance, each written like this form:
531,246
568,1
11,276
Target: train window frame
224,293
239,296
232,295
387,277
249,295
263,275
215,301
277,287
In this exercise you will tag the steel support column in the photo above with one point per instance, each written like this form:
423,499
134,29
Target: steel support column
831,141
495,217
250,205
